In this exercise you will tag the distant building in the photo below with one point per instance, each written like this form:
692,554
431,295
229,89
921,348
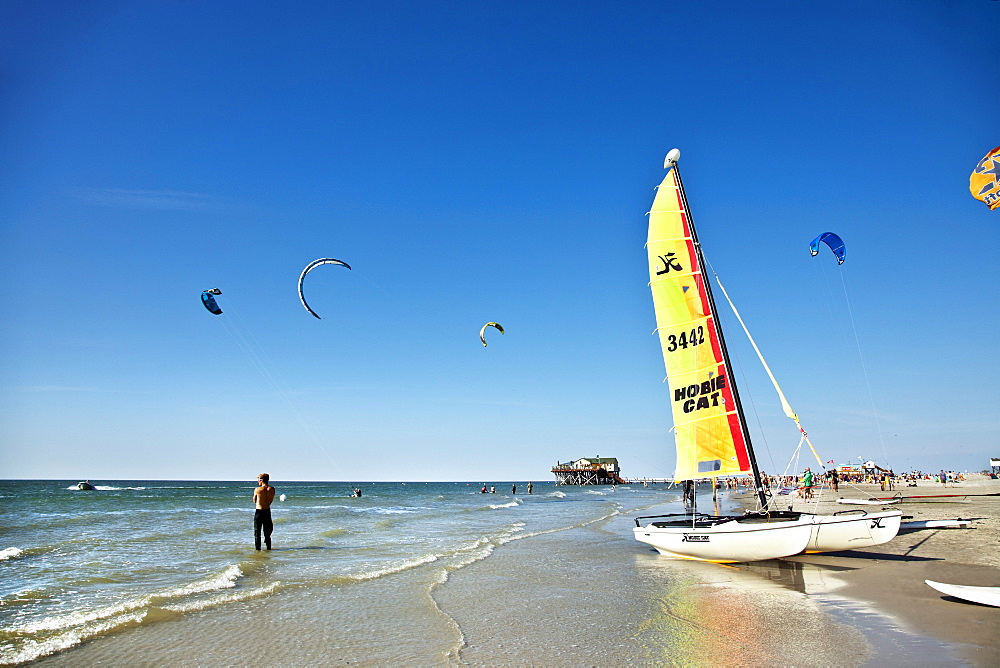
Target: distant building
588,471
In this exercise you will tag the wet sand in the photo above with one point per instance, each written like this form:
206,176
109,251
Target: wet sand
890,577
592,596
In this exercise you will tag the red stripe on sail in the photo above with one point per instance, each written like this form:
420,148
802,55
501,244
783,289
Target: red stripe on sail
741,447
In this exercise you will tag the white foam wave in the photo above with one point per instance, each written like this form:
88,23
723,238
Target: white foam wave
497,506
34,649
558,495
398,568
481,549
10,553
392,511
234,597
377,510
226,580
80,618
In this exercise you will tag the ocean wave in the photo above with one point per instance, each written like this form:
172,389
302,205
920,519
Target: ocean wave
36,648
24,597
480,549
332,533
234,597
558,495
498,506
10,553
81,617
395,568
31,640
225,580
377,510
390,510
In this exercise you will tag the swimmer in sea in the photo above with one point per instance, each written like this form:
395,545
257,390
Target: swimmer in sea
262,498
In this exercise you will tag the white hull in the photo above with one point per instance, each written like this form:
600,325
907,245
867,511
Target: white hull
733,540
832,533
983,595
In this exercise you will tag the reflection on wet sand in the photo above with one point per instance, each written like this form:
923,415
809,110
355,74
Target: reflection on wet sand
774,611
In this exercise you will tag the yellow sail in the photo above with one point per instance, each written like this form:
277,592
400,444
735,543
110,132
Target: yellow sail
707,425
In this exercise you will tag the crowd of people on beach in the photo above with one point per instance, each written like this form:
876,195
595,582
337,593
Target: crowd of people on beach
804,486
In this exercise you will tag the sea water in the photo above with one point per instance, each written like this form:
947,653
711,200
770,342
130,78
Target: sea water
142,572
78,564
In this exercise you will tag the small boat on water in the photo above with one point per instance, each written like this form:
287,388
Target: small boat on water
84,484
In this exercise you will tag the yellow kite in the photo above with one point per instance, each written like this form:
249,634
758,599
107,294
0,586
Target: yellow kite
984,183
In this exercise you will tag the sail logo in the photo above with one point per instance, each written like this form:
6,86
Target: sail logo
877,523
669,263
695,538
698,396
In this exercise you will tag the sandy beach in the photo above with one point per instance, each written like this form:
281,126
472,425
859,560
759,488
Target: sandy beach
891,576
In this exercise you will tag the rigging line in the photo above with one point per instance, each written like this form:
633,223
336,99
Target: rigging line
793,461
781,395
748,394
864,369
739,363
240,332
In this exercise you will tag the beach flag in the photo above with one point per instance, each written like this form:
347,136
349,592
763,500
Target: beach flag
830,462
984,183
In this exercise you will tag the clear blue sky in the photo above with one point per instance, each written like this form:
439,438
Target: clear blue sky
481,162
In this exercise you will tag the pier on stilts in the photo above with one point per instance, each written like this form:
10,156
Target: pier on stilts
589,471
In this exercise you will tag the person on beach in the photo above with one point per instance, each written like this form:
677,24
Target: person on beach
689,493
832,475
807,483
529,487
513,488
262,498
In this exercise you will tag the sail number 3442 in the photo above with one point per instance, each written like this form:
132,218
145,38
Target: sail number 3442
686,339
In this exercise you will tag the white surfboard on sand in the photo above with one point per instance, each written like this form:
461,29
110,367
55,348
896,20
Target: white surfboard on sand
983,595
868,502
936,524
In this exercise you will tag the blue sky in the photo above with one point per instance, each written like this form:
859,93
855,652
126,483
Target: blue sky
480,162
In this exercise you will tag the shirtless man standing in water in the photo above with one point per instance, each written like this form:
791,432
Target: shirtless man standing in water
262,498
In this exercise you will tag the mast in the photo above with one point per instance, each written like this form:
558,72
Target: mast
672,159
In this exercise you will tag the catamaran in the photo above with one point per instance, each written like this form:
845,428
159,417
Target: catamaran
710,431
